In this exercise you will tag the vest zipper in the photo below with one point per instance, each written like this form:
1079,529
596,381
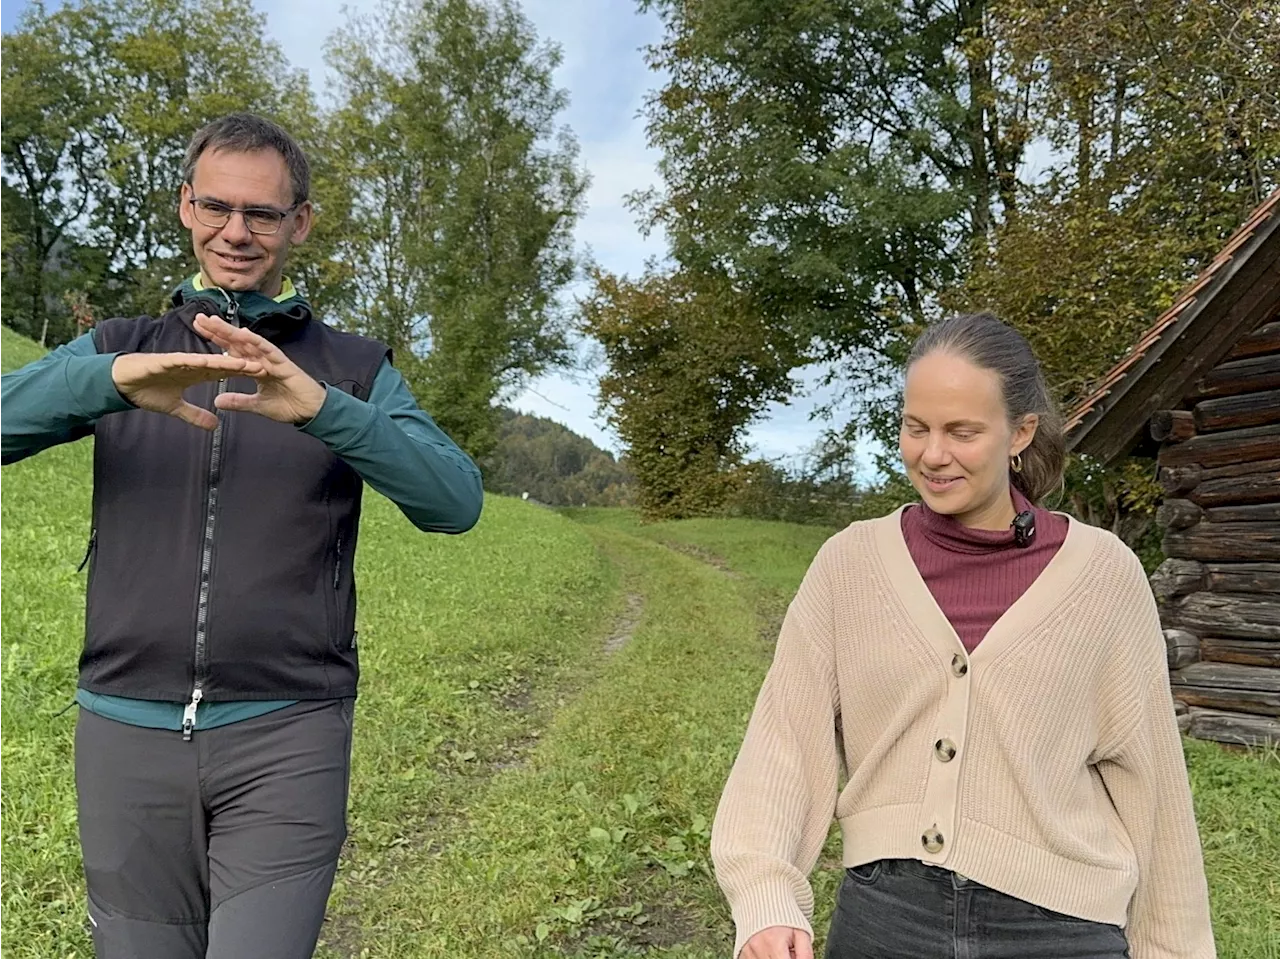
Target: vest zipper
201,666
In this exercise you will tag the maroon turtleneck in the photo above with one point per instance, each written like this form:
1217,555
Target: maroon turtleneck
977,574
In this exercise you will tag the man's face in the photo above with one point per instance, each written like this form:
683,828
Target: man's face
232,256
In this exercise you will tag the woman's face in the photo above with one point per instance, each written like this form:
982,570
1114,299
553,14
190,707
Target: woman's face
956,440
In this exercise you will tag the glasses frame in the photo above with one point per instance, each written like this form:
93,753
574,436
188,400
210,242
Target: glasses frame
244,212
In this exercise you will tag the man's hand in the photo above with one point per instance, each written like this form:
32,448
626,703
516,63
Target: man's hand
778,942
155,381
285,392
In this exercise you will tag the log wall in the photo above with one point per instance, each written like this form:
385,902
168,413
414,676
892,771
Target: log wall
1219,589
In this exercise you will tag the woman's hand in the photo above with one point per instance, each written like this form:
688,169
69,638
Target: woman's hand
778,942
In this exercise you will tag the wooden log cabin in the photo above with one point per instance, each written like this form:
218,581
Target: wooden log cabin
1200,392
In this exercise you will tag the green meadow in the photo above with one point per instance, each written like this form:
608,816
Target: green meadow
549,708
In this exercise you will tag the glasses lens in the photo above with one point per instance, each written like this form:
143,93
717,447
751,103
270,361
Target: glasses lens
263,221
211,214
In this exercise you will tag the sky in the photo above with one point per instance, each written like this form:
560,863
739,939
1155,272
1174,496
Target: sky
604,71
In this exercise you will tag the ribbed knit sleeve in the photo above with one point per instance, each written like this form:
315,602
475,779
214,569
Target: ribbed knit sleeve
1146,776
780,799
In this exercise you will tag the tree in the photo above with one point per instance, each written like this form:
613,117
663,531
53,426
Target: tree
836,159
691,362
46,187
1167,120
464,194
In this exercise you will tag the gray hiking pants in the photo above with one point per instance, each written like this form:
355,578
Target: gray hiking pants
224,847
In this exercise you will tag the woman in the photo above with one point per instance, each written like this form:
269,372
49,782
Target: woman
990,679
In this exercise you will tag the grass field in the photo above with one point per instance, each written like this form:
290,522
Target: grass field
549,708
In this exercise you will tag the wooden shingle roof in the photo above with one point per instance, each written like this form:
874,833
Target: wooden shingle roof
1229,296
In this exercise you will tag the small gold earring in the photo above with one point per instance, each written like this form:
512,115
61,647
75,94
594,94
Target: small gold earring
1015,463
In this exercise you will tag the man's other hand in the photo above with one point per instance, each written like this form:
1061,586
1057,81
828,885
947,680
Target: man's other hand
155,381
285,392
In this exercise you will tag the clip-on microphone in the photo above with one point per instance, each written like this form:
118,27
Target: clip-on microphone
1024,529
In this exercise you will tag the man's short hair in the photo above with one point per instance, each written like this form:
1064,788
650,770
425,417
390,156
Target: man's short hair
246,133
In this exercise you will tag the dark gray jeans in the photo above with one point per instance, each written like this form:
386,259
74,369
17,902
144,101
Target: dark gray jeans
906,909
224,847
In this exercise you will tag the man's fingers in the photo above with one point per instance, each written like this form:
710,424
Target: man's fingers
217,365
237,338
196,416
238,402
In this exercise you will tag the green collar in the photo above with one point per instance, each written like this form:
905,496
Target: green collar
253,306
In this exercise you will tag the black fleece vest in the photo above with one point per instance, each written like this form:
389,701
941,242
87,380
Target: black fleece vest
223,560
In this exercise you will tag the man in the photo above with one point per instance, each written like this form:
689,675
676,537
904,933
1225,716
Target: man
233,435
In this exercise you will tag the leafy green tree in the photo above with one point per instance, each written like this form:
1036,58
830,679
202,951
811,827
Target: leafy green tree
1167,120
836,159
691,362
46,183
464,197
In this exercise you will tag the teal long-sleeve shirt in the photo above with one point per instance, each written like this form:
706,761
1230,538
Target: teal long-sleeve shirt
389,440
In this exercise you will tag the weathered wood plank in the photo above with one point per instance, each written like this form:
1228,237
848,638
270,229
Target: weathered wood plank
1178,577
1233,615
1179,479
1246,689
1225,542
1229,447
1243,578
1181,648
1249,375
1172,426
1178,514
1265,339
1255,513
1236,412
1242,469
1242,490
1237,729
1246,652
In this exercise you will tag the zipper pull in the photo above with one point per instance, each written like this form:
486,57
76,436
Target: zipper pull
189,714
88,551
337,565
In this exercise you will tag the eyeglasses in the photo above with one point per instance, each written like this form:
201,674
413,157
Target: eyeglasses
260,220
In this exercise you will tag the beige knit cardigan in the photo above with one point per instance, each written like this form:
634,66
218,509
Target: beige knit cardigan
1047,764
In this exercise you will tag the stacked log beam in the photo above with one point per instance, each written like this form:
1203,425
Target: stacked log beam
1219,589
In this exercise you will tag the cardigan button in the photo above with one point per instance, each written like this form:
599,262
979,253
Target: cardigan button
945,750
932,840
958,665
